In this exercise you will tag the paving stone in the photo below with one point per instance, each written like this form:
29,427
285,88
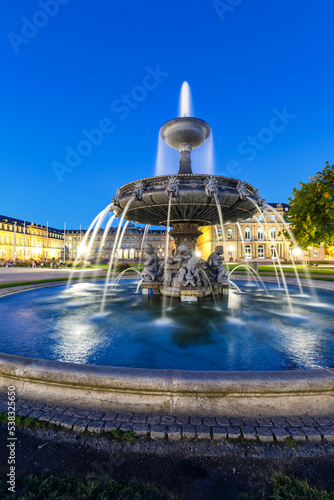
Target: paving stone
126,426
70,412
223,421
81,425
312,433
124,417
153,419
235,422
49,407
28,404
38,406
203,432
331,418
249,422
168,419
4,406
196,421
188,431
323,421
210,422
82,413
68,422
141,429
264,422
19,402
139,418
297,433
57,419
249,433
110,415
174,432
327,433
46,416
182,420
60,409
233,432
308,421
96,414
280,433
35,414
219,433
294,421
24,412
95,426
111,425
264,434
158,431
280,421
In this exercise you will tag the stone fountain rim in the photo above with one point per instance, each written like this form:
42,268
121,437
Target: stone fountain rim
211,393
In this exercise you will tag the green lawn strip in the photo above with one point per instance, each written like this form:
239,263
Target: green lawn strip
23,421
284,487
82,487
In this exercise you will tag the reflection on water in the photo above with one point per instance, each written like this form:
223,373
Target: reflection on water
247,331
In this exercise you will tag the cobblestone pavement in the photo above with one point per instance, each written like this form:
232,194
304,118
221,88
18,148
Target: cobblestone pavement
156,426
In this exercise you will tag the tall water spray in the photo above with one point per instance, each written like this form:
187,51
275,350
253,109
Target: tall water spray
186,103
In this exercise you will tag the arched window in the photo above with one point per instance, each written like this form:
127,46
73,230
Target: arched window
248,252
260,252
229,234
273,252
260,233
273,233
247,234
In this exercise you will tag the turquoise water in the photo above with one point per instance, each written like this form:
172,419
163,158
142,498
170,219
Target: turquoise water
247,331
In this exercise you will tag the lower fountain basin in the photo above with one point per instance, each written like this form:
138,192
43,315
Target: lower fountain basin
192,203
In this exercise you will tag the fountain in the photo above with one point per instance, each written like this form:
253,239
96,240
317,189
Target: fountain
185,201
259,353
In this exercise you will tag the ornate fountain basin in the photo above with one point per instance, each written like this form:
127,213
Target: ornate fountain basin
192,202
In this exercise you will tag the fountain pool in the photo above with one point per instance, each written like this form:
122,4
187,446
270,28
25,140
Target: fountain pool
248,331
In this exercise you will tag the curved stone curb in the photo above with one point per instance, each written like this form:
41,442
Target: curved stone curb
300,430
256,394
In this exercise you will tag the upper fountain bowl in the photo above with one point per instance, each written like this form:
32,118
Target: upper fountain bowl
185,130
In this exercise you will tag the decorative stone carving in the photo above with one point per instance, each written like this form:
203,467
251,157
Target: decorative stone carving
151,265
211,188
138,190
115,199
260,201
172,186
242,190
215,270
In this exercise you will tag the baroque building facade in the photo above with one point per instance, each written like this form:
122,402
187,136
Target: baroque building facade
258,238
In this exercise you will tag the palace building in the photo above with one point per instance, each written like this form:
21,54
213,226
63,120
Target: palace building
258,238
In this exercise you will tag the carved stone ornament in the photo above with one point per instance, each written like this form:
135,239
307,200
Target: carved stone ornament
242,190
260,201
115,199
172,186
138,190
210,184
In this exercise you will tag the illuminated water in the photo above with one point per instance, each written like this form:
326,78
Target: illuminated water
252,331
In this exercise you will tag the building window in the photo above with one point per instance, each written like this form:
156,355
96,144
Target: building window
247,234
260,252
273,252
260,217
272,217
248,252
273,233
260,233
229,234
316,253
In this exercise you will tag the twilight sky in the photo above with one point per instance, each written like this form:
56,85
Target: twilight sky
261,74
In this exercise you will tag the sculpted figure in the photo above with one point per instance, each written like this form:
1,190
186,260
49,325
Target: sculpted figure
216,271
151,265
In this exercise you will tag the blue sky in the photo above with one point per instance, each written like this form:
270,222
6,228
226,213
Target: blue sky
261,74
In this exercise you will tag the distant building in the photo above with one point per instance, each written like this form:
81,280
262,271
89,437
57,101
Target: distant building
256,238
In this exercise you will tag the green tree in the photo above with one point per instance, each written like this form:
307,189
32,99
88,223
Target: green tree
312,209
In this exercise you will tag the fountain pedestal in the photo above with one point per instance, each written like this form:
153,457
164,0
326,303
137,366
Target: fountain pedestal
185,233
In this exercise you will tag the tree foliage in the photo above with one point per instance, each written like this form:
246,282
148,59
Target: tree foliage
312,209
